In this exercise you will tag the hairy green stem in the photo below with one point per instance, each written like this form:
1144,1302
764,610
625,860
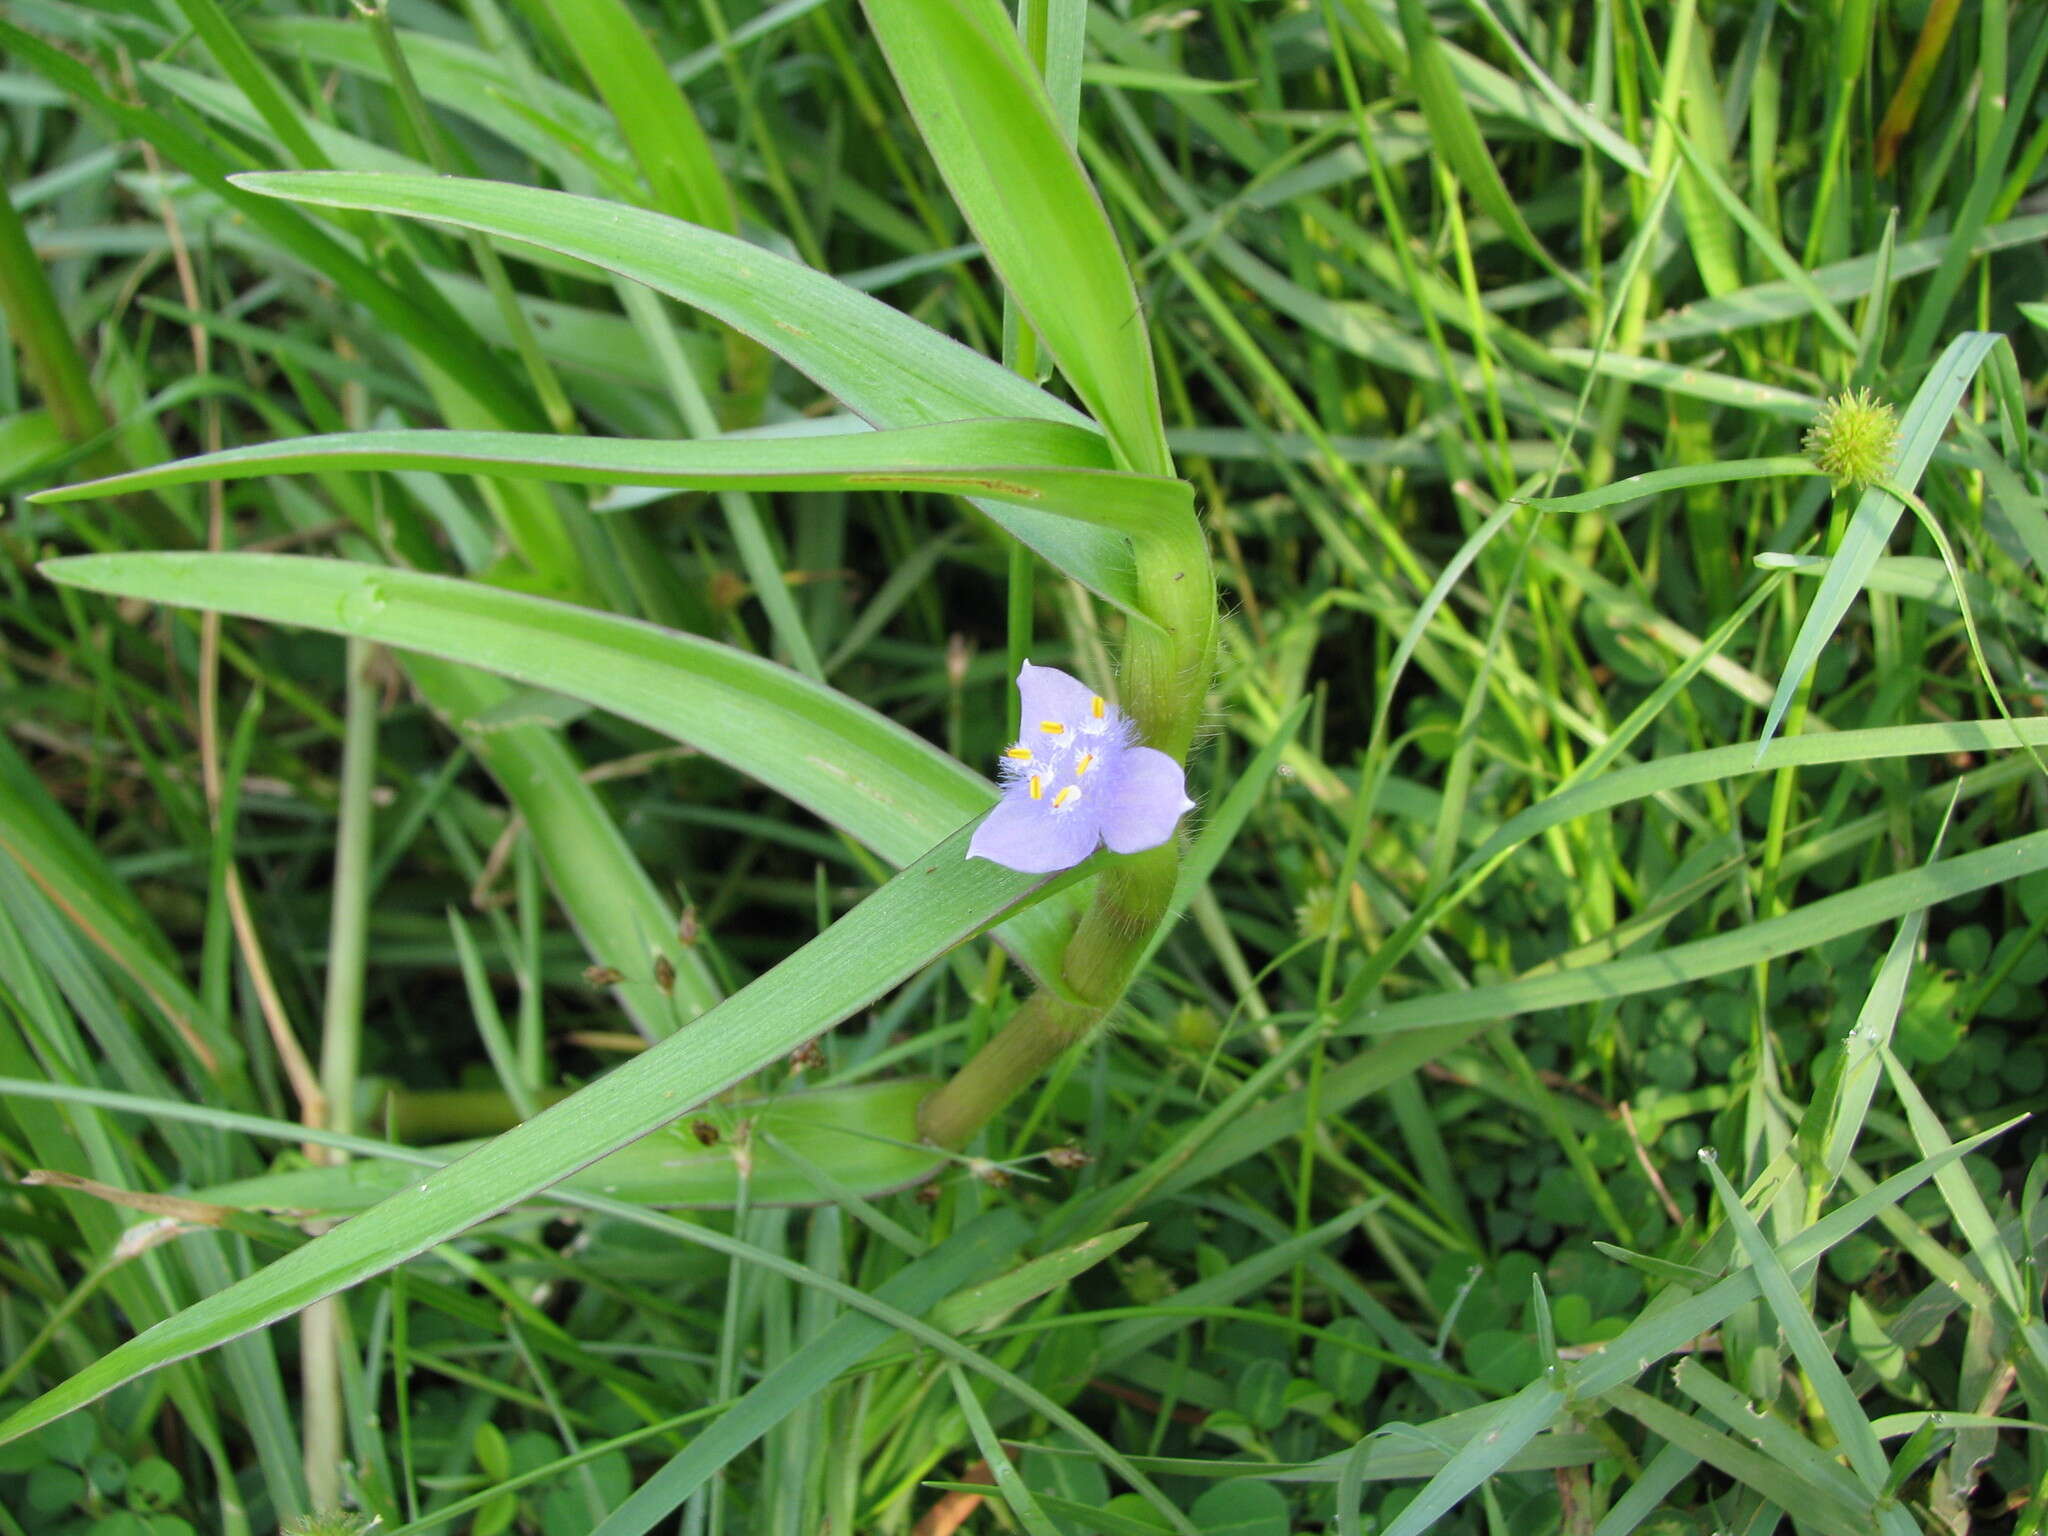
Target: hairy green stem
1167,665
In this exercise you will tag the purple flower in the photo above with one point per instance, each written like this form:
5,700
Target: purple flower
1076,779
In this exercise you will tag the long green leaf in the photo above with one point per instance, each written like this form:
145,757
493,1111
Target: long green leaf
986,119
866,1134
1780,1441
882,364
1699,383
909,922
1046,465
1751,1468
1510,1425
841,761
1683,477
1769,303
1845,1414
969,1255
652,114
1417,1031
1456,132
838,759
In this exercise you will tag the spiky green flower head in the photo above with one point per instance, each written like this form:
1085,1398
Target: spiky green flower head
330,1522
1316,912
1853,439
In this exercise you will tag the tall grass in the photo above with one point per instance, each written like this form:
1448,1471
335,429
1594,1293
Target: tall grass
523,522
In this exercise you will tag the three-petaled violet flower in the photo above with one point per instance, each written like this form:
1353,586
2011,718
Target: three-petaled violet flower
1076,779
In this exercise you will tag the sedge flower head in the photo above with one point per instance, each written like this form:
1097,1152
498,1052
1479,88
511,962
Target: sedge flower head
328,1522
1076,780
1853,438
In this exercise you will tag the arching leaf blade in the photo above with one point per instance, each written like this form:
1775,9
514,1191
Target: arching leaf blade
885,366
844,763
984,115
911,921
1051,467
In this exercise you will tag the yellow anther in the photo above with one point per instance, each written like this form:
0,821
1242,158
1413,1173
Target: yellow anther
1083,763
1096,706
1018,754
1066,797
1052,728
1038,787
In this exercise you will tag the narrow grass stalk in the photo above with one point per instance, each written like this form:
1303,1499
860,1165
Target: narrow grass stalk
348,925
54,361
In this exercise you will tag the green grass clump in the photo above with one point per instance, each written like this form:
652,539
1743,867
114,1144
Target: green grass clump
522,523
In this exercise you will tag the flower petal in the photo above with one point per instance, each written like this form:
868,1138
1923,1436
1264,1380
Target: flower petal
1145,802
1047,693
1027,835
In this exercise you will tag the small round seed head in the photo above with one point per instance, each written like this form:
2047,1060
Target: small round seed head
603,975
1147,1281
1196,1027
1853,439
1315,912
327,1522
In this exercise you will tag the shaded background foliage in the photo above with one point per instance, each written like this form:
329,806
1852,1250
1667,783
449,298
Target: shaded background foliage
1401,266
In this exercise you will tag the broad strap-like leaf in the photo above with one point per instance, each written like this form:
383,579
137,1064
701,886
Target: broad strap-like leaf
838,759
841,761
884,366
865,1133
1049,466
936,903
985,116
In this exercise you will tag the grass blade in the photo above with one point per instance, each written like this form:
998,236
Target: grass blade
843,762
1510,1425
968,1256
884,365
1057,469
909,922
984,115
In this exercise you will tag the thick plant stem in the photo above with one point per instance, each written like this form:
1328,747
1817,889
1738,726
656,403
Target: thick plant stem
1025,1046
1130,901
1167,665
